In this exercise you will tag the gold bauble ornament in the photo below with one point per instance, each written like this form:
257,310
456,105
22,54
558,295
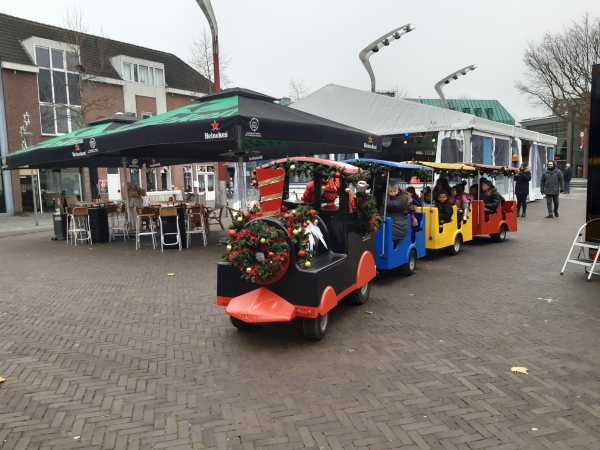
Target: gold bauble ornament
347,190
292,167
248,269
229,248
295,232
316,222
307,264
240,219
263,241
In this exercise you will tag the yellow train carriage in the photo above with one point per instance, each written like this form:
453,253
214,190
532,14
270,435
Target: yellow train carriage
449,236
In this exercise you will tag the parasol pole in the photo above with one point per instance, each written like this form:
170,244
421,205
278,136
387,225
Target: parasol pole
387,184
126,193
478,197
34,197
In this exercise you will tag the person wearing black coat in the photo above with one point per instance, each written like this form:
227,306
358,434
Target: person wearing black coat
522,179
396,207
445,209
567,176
490,196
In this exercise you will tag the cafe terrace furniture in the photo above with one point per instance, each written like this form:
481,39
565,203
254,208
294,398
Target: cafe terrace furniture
195,224
147,216
164,213
79,229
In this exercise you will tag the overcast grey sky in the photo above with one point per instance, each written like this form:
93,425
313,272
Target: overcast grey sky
319,40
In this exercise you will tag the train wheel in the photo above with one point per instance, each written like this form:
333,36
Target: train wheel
240,324
455,249
409,268
360,296
500,237
315,328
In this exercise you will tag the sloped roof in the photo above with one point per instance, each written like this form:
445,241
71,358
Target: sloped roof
388,116
500,114
13,30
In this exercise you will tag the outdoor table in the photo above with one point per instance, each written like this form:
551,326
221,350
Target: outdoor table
99,224
88,204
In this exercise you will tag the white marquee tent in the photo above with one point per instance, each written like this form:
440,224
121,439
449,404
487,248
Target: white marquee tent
461,137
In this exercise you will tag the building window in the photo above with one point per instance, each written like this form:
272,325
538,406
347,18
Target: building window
127,71
143,74
145,115
158,77
467,110
489,112
58,90
150,180
477,112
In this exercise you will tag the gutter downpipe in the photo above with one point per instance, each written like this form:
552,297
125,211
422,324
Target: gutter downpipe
6,176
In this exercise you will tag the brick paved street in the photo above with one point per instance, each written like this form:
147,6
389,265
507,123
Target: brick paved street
101,349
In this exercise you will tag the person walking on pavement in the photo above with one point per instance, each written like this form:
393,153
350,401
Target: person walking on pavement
522,179
551,186
567,175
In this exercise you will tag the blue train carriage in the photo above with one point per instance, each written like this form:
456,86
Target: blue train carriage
282,276
388,254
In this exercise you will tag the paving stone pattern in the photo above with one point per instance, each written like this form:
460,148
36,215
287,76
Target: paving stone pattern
102,350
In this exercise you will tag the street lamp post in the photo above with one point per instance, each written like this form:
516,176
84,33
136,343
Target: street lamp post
374,47
453,76
206,8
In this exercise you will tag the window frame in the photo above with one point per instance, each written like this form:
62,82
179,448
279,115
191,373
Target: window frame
58,119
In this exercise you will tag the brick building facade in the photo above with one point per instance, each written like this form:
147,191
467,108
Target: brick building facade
63,80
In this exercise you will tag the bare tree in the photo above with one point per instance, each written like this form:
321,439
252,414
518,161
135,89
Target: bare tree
202,60
400,91
87,60
559,70
297,90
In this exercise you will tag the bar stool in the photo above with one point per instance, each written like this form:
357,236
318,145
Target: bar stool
195,224
168,211
80,226
69,213
117,225
146,215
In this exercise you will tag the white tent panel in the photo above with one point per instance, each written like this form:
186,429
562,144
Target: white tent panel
387,116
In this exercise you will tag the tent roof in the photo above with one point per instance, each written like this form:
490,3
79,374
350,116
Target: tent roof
387,116
397,165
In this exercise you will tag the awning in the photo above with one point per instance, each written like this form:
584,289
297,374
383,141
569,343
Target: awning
231,123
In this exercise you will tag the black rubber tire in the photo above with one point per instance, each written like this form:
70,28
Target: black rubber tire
455,249
360,296
240,324
315,329
409,268
500,237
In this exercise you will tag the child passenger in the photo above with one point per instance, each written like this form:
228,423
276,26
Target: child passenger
413,195
445,208
427,199
460,200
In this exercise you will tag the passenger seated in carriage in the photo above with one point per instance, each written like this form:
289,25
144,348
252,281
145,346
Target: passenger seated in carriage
460,200
490,196
427,198
444,208
396,207
329,196
413,195
441,185
474,192
309,192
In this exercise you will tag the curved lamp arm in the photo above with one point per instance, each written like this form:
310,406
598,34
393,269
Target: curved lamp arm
374,47
453,76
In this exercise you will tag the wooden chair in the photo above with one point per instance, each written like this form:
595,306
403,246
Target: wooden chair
215,217
195,224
